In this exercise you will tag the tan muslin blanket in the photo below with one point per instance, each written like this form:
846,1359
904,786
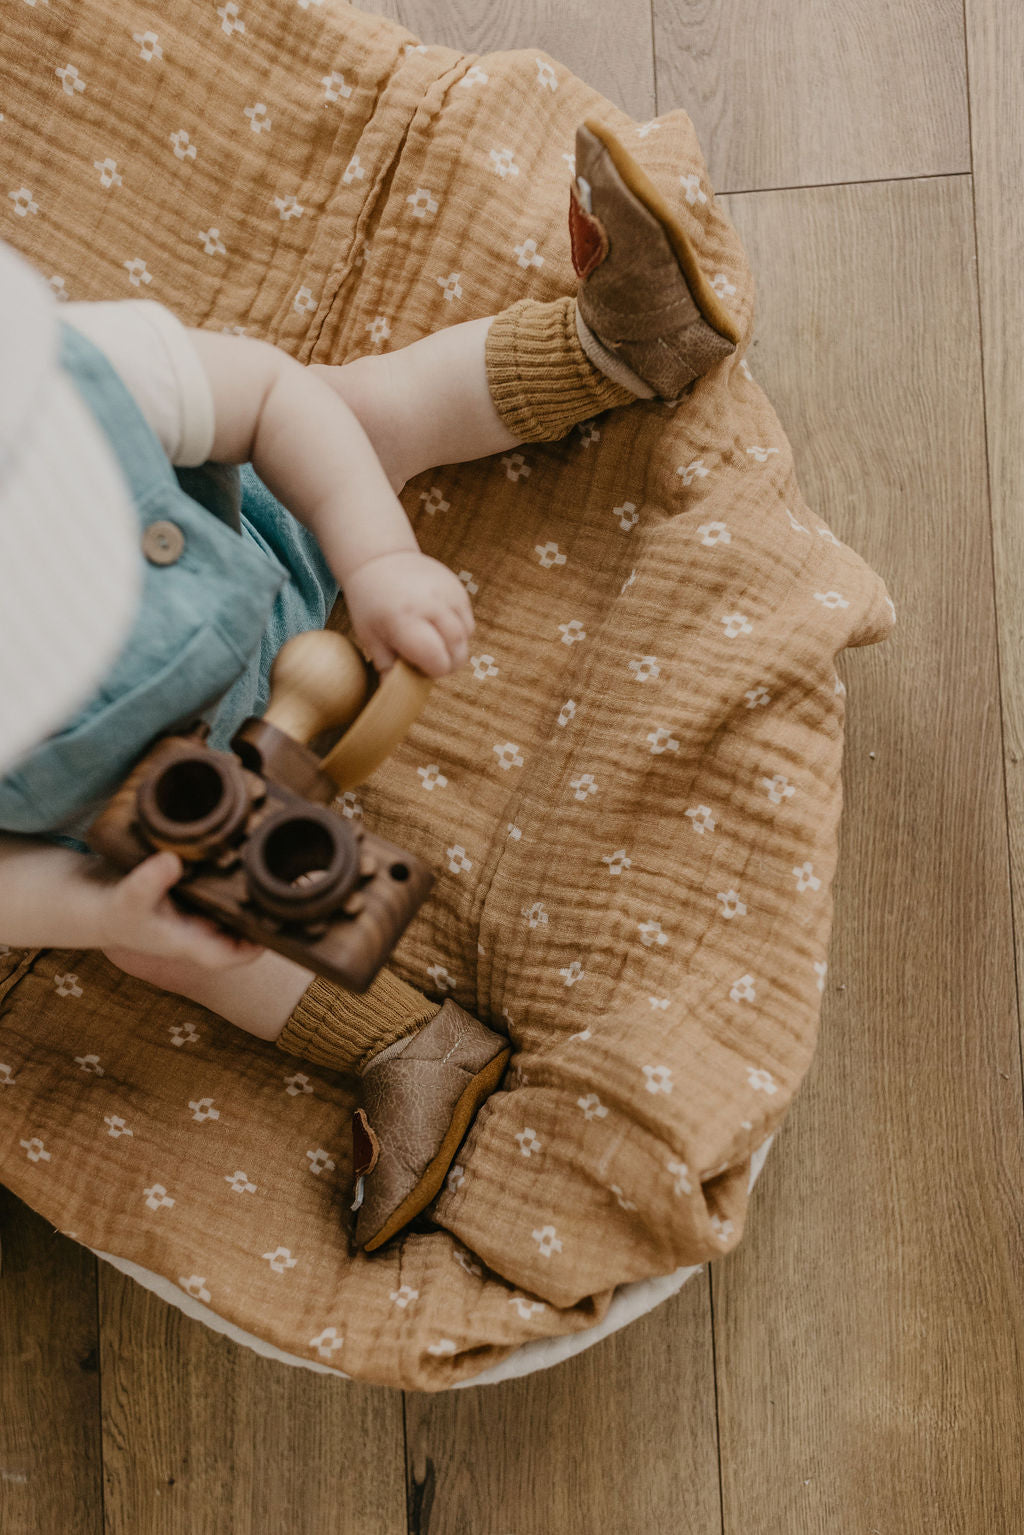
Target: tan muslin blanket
630,795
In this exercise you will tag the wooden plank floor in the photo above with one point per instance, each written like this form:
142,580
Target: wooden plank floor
855,1368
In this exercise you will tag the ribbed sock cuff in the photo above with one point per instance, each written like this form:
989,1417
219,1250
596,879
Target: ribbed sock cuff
342,1029
541,380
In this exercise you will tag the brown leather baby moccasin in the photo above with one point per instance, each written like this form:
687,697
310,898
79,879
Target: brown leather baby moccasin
418,1100
646,313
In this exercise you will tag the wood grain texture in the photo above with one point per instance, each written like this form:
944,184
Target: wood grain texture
607,45
203,1437
995,37
867,1329
870,1376
621,1437
790,93
49,1380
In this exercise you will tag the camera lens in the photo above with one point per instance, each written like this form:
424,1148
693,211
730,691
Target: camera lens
299,851
301,864
189,791
195,803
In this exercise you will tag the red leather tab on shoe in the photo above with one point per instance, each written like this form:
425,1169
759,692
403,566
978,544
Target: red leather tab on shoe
365,1146
587,238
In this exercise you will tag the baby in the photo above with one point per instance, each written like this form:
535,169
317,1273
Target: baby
223,587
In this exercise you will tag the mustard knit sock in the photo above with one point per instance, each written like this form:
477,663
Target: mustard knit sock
541,380
344,1029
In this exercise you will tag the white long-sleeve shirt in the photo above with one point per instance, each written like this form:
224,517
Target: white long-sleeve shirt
150,350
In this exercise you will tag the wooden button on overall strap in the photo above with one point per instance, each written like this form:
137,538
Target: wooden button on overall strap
163,543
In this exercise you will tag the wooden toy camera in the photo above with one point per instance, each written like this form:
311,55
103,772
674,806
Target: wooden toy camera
265,855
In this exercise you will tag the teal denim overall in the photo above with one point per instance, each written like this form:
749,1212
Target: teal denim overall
208,626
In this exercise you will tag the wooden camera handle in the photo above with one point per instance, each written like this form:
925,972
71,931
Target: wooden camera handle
319,682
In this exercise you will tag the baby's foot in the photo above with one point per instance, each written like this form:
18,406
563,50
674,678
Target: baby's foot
419,1098
646,314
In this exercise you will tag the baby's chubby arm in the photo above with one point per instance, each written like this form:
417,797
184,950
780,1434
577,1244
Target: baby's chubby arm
310,450
54,897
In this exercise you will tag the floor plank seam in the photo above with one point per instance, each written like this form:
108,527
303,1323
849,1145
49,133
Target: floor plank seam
99,1396
714,1379
1014,915
867,181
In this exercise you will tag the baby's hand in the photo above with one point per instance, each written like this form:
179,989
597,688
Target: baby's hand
143,931
409,605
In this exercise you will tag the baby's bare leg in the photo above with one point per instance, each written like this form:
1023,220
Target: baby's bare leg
425,404
647,322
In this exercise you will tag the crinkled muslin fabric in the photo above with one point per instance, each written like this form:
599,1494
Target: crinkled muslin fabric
631,794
